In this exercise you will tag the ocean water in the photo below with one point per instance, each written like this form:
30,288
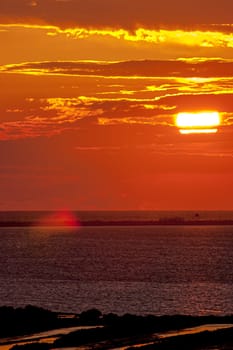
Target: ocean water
136,269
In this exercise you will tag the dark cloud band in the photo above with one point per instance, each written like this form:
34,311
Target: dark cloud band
143,68
118,13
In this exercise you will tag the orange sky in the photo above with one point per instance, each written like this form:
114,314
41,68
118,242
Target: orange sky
89,94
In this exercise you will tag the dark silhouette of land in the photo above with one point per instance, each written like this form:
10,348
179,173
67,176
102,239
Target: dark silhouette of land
157,222
28,320
108,331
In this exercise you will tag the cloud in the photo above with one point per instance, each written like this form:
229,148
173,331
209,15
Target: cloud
92,94
64,119
52,116
118,13
198,101
37,42
142,68
205,37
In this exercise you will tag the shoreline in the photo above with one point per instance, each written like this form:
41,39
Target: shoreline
92,329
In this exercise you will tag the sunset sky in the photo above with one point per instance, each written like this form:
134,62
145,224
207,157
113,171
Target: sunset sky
90,90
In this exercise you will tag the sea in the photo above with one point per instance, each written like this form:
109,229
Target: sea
138,269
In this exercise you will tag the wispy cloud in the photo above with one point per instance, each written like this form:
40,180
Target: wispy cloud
137,43
141,68
98,94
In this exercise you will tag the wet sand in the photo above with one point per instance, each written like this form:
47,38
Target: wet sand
41,337
185,331
50,336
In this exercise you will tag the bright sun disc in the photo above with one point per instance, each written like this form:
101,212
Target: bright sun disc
201,122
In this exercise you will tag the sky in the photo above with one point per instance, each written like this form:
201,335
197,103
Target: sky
90,92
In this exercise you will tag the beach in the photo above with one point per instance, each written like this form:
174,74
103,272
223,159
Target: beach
93,330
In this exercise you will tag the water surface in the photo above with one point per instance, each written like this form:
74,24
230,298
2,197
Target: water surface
141,270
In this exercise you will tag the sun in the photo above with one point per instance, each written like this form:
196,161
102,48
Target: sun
198,123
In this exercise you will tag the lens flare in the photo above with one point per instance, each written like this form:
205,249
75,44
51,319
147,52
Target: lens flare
62,218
